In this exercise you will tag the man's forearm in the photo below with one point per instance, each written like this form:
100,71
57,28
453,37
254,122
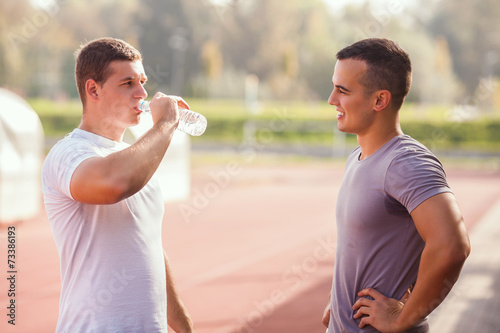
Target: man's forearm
139,162
177,316
147,153
439,270
110,179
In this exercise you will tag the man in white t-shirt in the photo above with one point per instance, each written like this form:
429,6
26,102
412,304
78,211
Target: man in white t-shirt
105,207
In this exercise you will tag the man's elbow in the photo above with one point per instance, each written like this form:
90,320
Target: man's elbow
115,195
463,246
105,194
120,187
459,244
465,249
119,192
458,252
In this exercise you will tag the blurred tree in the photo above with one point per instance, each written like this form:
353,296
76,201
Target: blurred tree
433,77
171,40
212,59
279,42
444,82
433,80
16,30
318,44
38,45
200,47
473,34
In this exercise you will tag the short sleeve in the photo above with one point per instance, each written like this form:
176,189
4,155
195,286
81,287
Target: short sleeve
61,163
414,176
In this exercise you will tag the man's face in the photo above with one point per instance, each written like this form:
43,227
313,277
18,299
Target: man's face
122,91
353,104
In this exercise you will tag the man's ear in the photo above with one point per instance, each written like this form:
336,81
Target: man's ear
383,100
92,89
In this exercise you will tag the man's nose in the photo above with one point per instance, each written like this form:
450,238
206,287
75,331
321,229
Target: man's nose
333,100
141,92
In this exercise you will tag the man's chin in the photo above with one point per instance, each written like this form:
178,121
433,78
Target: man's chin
135,121
343,129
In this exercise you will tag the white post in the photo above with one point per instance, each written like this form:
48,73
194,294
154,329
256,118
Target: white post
21,154
173,173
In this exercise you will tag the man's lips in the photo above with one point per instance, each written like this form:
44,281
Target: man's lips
340,114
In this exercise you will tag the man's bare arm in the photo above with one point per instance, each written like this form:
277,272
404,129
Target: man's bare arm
177,315
326,312
440,224
106,180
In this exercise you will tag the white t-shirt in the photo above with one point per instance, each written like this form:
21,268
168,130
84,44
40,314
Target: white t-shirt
112,265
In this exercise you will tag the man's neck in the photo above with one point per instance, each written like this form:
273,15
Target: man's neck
372,142
101,127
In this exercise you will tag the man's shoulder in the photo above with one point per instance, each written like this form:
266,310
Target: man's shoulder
401,149
414,174
61,161
406,150
405,144
67,150
72,142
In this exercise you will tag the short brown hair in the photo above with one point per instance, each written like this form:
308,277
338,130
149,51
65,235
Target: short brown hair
93,59
388,67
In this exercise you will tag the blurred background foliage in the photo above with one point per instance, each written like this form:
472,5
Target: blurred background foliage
205,49
199,48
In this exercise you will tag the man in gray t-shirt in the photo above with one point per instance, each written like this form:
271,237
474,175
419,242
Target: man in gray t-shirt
401,237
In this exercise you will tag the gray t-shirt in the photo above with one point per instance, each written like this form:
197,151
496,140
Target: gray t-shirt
378,245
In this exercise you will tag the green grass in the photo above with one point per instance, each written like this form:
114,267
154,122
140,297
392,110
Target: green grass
299,110
225,109
45,107
301,122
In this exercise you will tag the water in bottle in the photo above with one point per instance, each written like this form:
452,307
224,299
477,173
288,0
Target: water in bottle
190,122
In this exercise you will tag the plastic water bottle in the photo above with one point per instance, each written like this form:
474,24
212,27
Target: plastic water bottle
190,122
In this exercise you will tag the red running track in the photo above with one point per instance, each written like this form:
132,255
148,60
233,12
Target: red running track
252,250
